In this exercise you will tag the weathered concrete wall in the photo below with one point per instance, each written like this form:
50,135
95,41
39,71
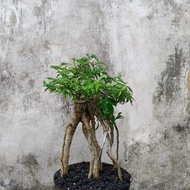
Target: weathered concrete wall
146,40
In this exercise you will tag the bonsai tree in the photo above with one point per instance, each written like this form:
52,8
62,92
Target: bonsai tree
95,95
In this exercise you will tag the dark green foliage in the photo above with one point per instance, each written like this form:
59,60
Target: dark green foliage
88,81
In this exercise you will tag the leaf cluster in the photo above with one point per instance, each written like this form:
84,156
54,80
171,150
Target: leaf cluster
87,81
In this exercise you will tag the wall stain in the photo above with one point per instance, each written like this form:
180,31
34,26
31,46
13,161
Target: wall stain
31,100
31,83
168,153
29,161
169,84
53,160
43,13
183,127
10,184
179,13
176,10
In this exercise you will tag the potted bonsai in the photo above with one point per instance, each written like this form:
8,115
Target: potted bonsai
95,94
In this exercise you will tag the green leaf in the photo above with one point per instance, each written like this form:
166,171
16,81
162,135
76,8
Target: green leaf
87,79
97,85
55,67
110,109
101,63
119,116
94,56
130,89
45,83
63,64
49,78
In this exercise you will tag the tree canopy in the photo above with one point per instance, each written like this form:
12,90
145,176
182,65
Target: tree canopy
86,80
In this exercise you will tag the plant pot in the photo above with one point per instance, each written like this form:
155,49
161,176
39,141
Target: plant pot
77,179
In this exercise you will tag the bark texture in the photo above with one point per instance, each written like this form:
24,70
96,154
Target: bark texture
69,132
88,115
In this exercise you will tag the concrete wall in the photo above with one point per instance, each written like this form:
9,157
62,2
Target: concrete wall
146,40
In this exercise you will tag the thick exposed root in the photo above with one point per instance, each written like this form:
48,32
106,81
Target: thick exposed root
89,132
108,130
86,114
115,162
69,132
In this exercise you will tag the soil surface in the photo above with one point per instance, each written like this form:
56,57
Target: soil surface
77,179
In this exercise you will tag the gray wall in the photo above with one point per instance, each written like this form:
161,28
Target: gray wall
146,40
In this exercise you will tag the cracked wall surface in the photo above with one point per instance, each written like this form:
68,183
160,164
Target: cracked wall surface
146,41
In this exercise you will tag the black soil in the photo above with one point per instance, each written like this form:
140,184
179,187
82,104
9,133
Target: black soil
77,179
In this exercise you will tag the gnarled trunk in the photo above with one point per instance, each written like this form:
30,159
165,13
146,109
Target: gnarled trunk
69,132
83,112
89,132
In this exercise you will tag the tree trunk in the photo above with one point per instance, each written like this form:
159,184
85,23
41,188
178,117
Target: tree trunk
109,131
84,113
89,132
69,132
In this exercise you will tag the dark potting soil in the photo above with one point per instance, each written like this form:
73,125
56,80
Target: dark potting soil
77,179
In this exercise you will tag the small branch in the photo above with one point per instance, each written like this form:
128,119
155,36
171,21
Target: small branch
112,135
104,140
81,101
108,95
117,144
102,146
115,162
